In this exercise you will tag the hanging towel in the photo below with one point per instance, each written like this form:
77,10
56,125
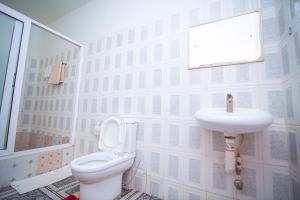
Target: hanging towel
57,74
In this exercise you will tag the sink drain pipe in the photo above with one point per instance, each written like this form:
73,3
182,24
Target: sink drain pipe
233,161
238,163
229,154
232,154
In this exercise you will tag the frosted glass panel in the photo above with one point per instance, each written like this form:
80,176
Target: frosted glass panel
230,41
46,109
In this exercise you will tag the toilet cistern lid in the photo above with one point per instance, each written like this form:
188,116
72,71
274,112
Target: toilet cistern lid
112,134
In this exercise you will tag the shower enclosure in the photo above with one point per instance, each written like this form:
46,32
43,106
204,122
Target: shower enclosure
35,113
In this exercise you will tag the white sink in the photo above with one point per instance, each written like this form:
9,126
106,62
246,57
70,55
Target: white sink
233,123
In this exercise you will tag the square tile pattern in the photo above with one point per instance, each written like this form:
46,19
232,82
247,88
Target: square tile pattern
28,166
49,161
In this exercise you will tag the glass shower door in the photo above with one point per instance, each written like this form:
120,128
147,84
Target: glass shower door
10,40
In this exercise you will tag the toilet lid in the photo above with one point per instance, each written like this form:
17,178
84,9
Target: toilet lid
112,135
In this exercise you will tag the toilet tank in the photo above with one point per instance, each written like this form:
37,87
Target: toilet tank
131,129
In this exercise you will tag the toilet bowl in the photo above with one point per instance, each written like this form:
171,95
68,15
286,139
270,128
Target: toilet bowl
100,173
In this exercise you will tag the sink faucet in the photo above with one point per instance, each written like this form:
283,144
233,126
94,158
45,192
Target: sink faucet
229,102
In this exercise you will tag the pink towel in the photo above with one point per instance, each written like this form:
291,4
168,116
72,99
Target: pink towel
57,74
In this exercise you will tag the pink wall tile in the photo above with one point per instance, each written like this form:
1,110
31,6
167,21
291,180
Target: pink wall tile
49,161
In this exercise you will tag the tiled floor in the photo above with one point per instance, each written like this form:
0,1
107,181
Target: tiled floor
61,190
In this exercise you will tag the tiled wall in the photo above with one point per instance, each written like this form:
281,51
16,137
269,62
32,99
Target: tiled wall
28,140
141,71
32,165
289,18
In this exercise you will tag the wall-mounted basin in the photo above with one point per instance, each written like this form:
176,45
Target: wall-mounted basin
233,123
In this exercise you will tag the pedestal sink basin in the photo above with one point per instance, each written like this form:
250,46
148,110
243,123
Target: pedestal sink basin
233,123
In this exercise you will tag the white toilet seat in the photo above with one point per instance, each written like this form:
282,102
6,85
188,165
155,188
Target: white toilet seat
99,161
112,135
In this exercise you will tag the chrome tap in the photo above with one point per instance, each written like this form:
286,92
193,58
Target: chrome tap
229,102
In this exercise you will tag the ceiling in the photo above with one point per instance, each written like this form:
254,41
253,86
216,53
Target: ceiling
44,11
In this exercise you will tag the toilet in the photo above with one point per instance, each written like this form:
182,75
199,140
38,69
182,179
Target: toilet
100,173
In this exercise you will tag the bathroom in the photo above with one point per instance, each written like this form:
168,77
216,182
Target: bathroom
134,69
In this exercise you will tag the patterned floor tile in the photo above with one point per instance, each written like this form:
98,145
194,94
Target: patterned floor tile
63,188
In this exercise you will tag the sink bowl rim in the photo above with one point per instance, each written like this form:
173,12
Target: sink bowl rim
242,120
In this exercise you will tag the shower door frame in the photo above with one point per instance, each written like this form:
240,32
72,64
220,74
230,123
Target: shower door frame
16,95
16,99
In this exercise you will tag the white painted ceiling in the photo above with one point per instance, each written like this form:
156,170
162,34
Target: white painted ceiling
44,11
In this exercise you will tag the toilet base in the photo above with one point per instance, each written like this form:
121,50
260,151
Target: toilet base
107,189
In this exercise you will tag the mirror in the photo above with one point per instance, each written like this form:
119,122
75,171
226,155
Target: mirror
48,91
230,41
